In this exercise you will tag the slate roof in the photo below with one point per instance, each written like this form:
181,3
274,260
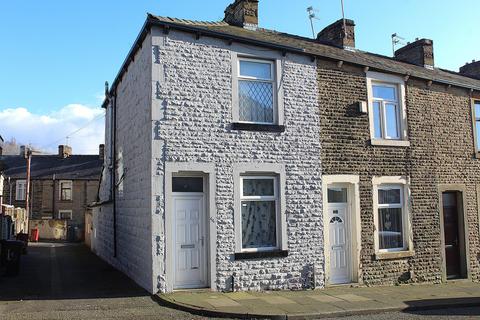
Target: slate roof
75,167
315,48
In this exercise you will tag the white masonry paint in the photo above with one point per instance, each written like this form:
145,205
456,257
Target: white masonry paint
134,209
190,111
191,117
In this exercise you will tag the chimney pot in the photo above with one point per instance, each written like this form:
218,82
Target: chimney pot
242,13
419,53
64,151
335,35
101,151
471,69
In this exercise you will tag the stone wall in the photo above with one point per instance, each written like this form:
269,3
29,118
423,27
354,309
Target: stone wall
441,152
192,116
84,192
133,178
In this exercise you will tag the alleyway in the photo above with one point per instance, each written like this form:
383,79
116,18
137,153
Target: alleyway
67,281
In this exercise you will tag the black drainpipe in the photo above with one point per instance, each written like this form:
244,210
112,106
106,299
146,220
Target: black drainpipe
114,171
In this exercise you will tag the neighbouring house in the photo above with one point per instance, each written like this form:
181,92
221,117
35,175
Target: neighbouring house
61,188
240,158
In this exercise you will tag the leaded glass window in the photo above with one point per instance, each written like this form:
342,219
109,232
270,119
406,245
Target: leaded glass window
259,203
391,218
256,91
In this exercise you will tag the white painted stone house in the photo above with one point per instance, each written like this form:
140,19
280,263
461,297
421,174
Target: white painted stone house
213,149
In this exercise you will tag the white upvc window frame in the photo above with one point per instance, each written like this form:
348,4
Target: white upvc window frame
272,81
60,189
396,182
387,80
65,211
277,60
274,198
258,171
475,123
20,190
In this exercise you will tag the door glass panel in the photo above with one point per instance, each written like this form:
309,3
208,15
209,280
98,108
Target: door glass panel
337,195
391,121
376,120
187,184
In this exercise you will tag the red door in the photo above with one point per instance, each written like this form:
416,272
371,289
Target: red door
452,237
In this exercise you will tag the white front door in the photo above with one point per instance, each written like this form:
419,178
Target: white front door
190,242
339,241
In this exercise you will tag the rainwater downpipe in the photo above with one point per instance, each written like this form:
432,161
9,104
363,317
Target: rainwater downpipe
114,171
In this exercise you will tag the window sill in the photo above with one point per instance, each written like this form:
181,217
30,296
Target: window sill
257,127
261,254
394,255
390,143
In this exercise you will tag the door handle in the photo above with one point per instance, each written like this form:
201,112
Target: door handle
201,240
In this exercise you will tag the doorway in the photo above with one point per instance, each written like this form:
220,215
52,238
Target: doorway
189,233
339,231
454,246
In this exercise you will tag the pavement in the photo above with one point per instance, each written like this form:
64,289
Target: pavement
331,302
67,281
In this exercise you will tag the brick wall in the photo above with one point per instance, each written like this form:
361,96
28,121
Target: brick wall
441,152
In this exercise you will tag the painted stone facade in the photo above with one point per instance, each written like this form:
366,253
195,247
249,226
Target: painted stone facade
190,111
192,120
441,152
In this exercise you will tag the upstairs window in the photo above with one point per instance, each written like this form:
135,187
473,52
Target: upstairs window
476,118
65,190
386,112
65,214
256,91
20,190
387,109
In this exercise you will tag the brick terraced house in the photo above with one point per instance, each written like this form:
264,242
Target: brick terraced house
240,158
62,185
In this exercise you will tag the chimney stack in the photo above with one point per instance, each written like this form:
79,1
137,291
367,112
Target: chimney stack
242,13
64,151
471,69
419,53
335,35
101,151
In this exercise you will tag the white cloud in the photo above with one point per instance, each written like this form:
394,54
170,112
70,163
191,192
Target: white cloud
47,131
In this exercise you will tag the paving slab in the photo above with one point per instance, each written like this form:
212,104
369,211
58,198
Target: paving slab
329,302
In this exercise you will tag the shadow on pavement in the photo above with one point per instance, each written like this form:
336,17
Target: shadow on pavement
66,271
446,306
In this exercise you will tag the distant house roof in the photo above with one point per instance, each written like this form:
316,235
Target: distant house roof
297,44
74,167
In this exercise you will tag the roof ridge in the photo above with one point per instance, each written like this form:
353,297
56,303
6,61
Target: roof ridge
188,21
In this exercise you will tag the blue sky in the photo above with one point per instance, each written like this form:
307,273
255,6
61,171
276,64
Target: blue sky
58,53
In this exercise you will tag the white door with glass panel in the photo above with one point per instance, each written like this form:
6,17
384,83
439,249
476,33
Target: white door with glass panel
190,252
339,236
